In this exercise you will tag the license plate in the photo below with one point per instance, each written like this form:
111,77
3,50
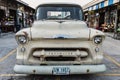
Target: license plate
61,71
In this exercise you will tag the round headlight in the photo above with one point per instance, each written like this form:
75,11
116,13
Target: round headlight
22,39
98,39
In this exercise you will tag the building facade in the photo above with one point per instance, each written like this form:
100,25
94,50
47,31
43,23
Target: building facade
103,14
13,15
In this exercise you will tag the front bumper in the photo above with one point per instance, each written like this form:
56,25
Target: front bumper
47,70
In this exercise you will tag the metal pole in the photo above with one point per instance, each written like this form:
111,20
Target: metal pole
116,18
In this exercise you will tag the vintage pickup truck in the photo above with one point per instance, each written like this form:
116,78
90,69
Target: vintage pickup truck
59,43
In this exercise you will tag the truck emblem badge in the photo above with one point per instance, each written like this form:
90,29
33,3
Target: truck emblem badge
61,36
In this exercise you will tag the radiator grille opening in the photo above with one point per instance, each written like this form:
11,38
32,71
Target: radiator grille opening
59,54
60,58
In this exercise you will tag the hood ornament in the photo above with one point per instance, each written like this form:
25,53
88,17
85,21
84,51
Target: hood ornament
61,36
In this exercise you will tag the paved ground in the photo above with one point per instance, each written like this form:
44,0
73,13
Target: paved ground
8,44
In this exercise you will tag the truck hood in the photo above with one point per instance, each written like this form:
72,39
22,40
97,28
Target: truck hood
59,29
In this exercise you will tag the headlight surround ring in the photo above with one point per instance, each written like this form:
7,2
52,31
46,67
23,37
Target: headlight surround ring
98,39
22,39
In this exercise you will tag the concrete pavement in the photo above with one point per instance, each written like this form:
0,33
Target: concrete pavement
109,34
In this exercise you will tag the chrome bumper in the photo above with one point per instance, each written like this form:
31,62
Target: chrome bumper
47,70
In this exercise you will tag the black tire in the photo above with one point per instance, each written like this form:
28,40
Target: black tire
0,33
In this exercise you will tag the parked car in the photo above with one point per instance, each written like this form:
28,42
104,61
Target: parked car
59,43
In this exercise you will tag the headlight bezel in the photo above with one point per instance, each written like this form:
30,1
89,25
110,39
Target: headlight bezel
22,39
98,39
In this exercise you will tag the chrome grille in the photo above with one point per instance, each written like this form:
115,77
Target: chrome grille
60,54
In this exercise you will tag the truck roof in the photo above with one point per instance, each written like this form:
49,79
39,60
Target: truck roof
58,4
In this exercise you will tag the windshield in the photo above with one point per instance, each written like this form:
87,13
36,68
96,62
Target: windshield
59,13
